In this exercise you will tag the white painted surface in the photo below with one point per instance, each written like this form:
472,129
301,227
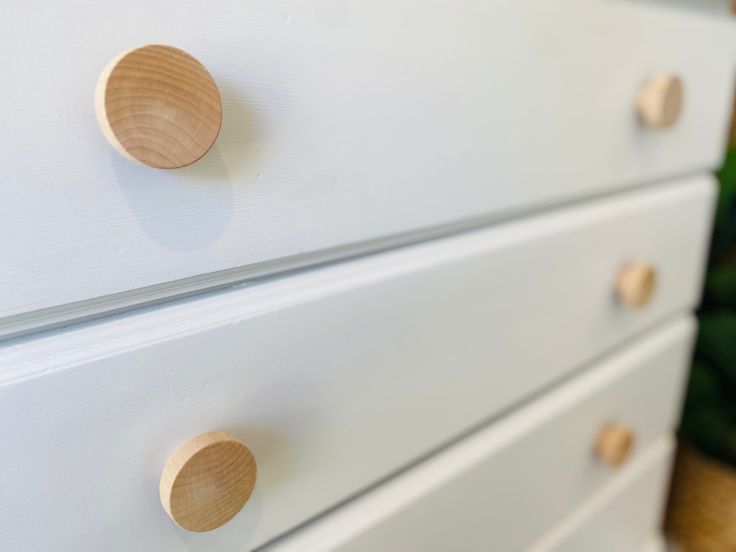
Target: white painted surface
656,543
625,515
344,122
503,487
335,378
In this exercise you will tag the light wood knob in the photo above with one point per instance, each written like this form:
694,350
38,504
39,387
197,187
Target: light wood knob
207,481
614,444
636,284
660,101
158,106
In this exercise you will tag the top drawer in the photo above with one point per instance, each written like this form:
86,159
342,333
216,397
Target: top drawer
344,123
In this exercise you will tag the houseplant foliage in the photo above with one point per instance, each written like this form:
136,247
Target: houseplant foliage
709,419
702,506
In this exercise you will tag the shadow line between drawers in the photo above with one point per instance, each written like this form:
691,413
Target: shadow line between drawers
102,307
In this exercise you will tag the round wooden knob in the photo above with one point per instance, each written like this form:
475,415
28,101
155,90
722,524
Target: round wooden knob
614,444
207,481
158,106
636,284
660,101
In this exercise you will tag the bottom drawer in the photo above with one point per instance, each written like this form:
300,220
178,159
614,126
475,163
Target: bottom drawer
625,515
513,481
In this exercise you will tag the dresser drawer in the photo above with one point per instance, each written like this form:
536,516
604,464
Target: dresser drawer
505,486
347,126
334,378
625,515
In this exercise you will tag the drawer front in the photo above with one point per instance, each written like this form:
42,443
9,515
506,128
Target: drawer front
537,465
332,377
347,126
625,515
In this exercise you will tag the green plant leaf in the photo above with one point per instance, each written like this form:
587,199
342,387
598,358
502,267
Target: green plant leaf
716,343
720,285
724,235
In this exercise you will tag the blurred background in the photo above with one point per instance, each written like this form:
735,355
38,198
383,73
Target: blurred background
702,506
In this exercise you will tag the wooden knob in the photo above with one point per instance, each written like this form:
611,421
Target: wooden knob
207,481
158,106
636,284
660,101
614,444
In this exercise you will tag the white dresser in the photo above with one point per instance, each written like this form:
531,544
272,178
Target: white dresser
431,289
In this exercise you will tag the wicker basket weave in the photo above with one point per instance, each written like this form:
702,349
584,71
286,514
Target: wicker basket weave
701,516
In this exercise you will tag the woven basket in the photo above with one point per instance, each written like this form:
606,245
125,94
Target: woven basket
701,516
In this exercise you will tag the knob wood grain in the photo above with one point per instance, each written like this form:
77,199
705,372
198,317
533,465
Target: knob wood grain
636,284
207,481
660,101
158,106
614,444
